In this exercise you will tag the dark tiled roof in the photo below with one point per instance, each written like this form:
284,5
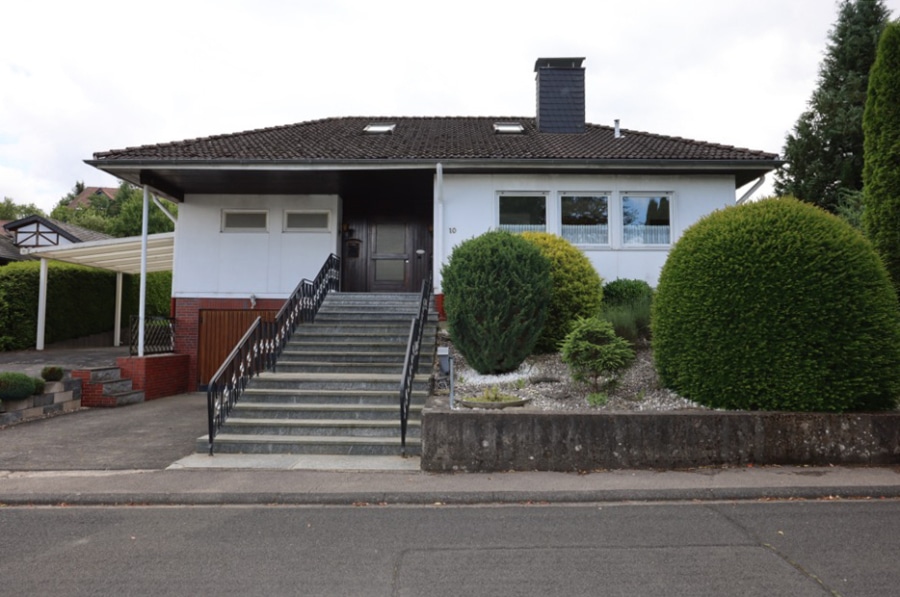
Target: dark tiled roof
8,250
430,138
71,231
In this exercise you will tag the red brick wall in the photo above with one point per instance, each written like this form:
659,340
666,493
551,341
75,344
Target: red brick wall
187,325
157,375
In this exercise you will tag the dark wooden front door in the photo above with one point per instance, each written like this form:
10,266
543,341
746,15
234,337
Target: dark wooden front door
389,255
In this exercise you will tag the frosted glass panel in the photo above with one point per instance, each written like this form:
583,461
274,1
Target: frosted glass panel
389,270
390,238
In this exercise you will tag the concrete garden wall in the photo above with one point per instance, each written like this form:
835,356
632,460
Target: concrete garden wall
522,440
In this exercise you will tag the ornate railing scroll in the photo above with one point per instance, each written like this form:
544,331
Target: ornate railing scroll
247,359
159,335
411,363
302,306
263,343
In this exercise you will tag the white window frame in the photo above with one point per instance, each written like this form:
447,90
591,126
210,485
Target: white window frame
226,212
288,212
542,194
610,206
620,216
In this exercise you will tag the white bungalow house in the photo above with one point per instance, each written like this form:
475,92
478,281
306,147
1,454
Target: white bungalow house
262,209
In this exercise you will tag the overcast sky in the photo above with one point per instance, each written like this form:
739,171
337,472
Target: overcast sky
88,76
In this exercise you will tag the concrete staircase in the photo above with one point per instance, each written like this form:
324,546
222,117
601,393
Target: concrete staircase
336,387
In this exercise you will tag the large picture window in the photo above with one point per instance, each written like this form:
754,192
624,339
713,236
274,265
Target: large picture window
646,220
585,219
523,213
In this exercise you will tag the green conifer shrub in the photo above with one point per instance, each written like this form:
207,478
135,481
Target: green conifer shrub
15,386
52,373
777,305
577,288
496,292
624,291
592,350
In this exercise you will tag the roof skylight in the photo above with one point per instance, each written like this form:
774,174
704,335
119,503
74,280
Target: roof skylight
508,128
380,128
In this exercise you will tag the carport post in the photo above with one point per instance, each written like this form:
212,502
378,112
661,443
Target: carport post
42,306
118,324
142,311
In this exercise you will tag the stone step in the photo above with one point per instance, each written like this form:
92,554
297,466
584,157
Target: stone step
126,398
290,355
226,443
350,347
368,315
348,337
102,374
325,381
335,329
266,410
316,427
255,395
339,368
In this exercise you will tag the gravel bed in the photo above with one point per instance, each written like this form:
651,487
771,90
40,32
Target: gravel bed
546,381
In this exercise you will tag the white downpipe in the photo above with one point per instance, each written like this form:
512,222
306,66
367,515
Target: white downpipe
42,306
438,256
142,311
745,196
117,327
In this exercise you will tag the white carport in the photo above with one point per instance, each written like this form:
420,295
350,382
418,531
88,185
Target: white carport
121,255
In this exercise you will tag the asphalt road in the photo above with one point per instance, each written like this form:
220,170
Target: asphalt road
770,548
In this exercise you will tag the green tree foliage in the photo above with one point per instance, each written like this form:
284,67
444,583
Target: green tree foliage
577,288
496,292
119,217
777,305
825,148
882,152
10,210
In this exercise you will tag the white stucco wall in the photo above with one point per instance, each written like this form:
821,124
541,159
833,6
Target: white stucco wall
215,264
471,207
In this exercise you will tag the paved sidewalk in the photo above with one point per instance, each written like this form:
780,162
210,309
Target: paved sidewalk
145,454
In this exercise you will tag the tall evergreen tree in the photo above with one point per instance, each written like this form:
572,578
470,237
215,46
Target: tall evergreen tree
825,148
881,193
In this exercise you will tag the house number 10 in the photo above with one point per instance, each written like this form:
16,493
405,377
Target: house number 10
452,230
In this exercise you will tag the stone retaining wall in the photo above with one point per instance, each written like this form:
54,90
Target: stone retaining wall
58,396
523,440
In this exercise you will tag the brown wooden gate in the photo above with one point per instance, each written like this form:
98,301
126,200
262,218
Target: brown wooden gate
219,332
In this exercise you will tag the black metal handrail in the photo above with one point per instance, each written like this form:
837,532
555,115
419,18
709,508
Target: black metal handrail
411,363
159,335
262,343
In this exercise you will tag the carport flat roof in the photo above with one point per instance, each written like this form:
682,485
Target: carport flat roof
115,254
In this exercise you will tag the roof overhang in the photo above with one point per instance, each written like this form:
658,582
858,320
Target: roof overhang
115,254
176,179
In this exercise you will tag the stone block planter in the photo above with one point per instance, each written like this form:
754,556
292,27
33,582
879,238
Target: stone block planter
58,396
524,440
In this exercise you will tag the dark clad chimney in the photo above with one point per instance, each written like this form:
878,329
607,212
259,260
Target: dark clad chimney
560,95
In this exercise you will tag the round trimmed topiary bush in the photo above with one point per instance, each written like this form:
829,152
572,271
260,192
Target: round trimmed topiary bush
15,386
496,291
777,305
577,288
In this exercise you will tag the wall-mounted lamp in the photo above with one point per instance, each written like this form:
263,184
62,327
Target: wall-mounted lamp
252,301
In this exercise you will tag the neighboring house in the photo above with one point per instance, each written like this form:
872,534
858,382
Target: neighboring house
84,199
38,231
262,209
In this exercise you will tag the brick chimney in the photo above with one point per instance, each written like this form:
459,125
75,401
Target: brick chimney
560,95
